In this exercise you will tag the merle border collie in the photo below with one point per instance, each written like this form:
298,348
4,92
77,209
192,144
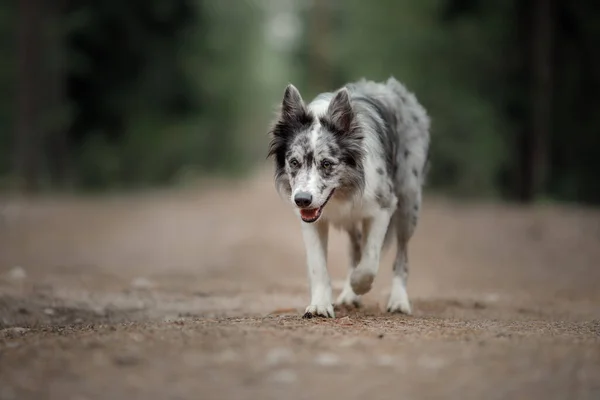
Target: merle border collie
354,158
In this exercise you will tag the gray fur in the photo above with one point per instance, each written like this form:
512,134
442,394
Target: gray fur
366,134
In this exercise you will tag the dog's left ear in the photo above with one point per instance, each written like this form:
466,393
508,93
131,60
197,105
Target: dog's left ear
340,111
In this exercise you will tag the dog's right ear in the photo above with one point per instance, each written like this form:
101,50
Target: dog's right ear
292,105
293,117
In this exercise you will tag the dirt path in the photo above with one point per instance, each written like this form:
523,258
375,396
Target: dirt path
199,294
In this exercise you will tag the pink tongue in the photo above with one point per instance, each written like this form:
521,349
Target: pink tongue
309,214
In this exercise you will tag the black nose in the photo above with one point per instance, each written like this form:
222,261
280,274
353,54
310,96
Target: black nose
303,199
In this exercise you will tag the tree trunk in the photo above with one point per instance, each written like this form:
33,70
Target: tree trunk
55,101
319,71
27,130
537,149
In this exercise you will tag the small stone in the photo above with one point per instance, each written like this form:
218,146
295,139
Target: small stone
49,311
136,337
278,356
171,318
17,274
327,359
492,297
142,283
479,305
17,330
127,360
98,310
385,360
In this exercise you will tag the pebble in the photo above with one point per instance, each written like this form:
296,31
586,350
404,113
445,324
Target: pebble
327,359
15,330
385,360
142,283
99,310
492,297
17,274
279,355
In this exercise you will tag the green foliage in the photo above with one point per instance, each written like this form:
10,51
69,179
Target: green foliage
153,88
7,86
155,92
436,60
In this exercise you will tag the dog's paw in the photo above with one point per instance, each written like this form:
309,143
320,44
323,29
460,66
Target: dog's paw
348,299
319,310
399,302
361,280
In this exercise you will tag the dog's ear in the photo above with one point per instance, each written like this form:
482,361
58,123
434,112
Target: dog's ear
340,112
293,117
292,106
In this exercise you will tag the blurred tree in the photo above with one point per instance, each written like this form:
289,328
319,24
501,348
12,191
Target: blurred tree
144,92
8,129
575,104
134,93
29,78
54,96
320,47
536,159
506,83
450,61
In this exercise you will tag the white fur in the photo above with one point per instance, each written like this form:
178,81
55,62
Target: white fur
307,182
401,206
344,214
315,241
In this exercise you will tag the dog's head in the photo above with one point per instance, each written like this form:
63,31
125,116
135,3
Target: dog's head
317,154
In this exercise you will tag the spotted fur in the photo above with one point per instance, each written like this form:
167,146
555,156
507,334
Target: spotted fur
359,155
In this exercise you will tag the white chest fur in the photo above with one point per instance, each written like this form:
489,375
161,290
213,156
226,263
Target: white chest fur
345,214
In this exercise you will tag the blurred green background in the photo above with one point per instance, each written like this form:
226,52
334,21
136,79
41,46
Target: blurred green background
116,95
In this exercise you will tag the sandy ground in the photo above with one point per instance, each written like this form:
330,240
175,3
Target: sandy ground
198,294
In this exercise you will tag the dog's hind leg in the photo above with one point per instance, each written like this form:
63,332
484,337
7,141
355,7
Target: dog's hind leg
315,242
406,221
347,297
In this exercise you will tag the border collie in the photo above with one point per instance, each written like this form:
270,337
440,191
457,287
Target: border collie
355,158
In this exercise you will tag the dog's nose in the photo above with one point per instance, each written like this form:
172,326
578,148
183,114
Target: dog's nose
303,199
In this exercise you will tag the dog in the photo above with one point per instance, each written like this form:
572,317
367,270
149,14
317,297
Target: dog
356,159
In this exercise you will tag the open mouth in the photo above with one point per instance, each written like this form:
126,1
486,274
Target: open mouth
310,215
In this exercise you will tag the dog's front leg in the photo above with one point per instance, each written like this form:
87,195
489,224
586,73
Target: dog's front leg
315,241
374,232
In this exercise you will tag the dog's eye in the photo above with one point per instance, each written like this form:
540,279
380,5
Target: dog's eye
326,164
294,163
